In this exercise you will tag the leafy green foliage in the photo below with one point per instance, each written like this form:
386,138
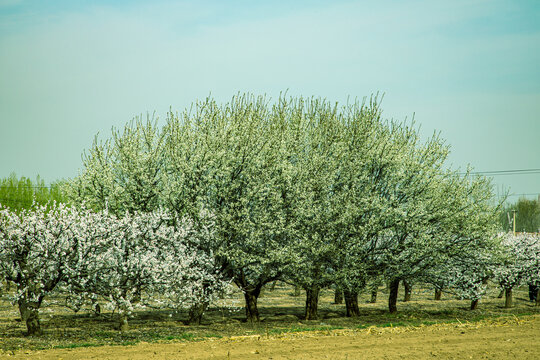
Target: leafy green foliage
21,193
527,216
302,190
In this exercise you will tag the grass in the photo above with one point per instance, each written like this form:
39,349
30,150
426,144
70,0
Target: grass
281,313
295,329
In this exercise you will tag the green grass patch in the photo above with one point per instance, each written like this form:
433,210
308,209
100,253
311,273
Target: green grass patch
296,329
74,346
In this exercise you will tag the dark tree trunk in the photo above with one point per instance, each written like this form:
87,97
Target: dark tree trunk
392,298
474,304
252,311
537,303
312,302
373,299
338,295
508,298
196,313
408,290
136,295
438,293
351,303
96,308
30,314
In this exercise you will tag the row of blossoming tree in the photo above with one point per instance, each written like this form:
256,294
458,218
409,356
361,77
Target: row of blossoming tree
137,259
300,190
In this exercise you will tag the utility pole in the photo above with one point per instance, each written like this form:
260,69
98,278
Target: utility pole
514,222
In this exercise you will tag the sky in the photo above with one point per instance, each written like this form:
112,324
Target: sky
467,69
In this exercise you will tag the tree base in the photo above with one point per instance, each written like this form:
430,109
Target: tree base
392,298
312,303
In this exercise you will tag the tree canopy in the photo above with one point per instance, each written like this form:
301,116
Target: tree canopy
301,189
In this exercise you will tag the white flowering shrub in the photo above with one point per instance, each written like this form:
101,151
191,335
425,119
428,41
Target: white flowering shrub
467,271
137,260
38,250
141,259
521,262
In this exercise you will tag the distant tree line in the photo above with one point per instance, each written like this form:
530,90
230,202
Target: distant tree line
20,193
527,216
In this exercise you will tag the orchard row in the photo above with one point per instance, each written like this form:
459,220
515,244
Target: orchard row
141,259
299,190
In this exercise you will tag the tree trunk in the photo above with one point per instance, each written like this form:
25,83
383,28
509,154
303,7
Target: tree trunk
312,301
351,303
196,313
273,286
30,314
508,298
136,296
338,295
438,293
373,299
392,298
95,305
124,325
537,297
296,290
408,291
97,309
251,296
474,304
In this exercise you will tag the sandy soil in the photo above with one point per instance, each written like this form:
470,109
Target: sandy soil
508,339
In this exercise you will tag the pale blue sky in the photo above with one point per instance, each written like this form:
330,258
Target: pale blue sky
70,69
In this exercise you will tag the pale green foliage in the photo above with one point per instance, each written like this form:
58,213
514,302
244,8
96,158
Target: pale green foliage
228,160
122,173
302,190
527,216
21,193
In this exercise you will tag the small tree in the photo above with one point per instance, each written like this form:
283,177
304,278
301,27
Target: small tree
520,264
38,250
140,260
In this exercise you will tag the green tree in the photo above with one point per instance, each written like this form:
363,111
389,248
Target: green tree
302,190
527,216
20,193
228,161
122,174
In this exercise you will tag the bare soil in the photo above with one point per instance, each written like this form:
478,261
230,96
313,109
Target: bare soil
500,339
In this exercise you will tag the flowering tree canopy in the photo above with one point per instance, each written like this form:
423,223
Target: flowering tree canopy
136,259
301,190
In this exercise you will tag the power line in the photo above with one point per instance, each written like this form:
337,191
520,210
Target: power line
530,194
27,186
505,172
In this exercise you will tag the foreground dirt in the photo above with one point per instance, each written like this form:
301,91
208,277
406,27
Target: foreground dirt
503,339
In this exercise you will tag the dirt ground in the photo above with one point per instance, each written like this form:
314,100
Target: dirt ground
511,338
